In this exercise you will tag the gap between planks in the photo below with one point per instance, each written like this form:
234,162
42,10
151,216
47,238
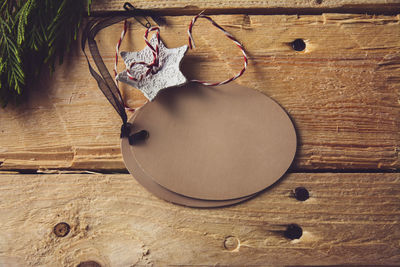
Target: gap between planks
258,7
125,171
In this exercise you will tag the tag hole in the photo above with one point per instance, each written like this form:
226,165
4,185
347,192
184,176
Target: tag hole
138,137
293,231
298,45
301,194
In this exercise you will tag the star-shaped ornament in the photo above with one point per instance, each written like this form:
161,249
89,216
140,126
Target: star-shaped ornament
166,74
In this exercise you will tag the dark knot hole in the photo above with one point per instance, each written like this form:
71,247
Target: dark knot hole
298,45
301,194
293,231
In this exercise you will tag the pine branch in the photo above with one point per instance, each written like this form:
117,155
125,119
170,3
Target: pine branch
34,32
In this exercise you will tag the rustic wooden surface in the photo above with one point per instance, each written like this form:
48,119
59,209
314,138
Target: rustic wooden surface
342,94
348,219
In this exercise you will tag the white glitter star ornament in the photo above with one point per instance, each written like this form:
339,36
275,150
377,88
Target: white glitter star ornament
154,68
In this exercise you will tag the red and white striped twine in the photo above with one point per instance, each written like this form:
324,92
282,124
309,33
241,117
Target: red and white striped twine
154,66
116,59
230,36
117,49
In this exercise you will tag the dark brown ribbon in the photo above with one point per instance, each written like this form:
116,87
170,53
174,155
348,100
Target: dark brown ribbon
104,80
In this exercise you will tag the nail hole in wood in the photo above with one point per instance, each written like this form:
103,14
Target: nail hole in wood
61,229
88,264
298,45
318,2
231,243
293,231
301,194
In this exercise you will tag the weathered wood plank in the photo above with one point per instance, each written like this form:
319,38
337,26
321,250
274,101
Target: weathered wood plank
348,219
342,92
259,6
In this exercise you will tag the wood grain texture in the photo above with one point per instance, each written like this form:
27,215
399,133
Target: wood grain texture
342,92
257,6
348,219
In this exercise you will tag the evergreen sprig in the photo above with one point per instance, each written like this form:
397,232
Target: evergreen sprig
34,32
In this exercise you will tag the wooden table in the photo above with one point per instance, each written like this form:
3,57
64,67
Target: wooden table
60,158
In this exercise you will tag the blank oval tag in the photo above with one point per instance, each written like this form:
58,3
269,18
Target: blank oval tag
163,193
213,143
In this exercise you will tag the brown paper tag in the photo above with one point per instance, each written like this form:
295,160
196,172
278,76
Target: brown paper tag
163,193
214,143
